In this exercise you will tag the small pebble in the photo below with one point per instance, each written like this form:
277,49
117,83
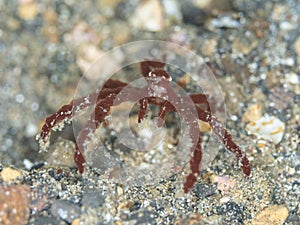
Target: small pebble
65,210
192,14
297,46
31,130
61,154
28,10
82,33
223,183
87,58
76,222
204,127
93,198
148,16
223,22
9,174
292,78
274,214
28,164
172,10
209,47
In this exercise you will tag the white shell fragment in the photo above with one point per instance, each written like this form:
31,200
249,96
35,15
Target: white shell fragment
267,127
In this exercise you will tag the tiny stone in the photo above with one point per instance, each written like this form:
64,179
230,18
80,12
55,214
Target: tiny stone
192,14
9,174
76,222
148,16
87,58
292,78
204,126
28,10
172,10
65,210
274,214
61,154
297,46
28,164
223,22
31,130
93,198
82,33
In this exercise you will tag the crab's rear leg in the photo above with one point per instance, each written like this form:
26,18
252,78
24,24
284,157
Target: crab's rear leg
195,162
226,139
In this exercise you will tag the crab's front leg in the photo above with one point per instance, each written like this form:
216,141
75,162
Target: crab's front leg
64,115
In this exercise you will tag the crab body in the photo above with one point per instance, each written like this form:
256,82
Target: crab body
159,92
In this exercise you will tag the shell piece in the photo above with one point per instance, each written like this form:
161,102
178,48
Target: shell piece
253,113
267,127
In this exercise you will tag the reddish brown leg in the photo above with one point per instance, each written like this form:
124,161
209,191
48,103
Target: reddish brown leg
226,139
143,109
165,108
148,66
102,109
199,98
202,99
194,166
64,115
105,100
67,112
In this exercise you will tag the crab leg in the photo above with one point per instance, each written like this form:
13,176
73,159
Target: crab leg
226,139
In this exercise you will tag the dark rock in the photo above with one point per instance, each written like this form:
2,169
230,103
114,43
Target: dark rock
135,206
193,15
204,190
293,218
124,9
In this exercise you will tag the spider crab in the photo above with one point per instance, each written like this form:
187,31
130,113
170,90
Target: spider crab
109,94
